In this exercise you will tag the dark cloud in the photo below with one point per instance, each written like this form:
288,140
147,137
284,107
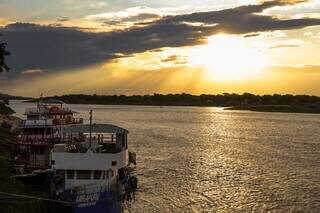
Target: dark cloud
171,58
111,23
175,59
251,35
50,47
57,48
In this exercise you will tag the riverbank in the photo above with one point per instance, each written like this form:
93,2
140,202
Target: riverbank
314,109
10,204
245,101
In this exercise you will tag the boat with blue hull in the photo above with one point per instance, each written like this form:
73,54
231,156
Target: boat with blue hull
82,167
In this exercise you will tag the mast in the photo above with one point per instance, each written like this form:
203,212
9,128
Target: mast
40,101
90,128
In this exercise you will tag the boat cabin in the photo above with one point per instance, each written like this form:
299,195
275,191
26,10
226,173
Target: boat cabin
55,110
91,154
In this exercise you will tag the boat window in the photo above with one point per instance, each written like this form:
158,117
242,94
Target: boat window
123,141
70,174
103,175
83,174
114,163
97,175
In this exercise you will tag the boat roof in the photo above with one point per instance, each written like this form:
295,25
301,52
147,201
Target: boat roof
52,101
96,128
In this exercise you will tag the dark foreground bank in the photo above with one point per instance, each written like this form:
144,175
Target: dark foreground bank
8,186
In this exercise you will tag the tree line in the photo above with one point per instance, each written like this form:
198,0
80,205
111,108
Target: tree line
225,99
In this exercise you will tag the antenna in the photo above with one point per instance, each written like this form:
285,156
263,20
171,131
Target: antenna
40,100
90,128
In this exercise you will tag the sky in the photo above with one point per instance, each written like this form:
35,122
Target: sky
169,46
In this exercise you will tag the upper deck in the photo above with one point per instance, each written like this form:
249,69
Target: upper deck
106,148
51,109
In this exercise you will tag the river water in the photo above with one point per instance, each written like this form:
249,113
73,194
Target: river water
205,159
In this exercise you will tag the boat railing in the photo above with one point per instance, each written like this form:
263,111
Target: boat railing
95,138
41,122
35,140
65,121
36,111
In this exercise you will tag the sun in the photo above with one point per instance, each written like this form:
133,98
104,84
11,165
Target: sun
228,57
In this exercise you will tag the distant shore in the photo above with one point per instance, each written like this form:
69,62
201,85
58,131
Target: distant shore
278,108
245,101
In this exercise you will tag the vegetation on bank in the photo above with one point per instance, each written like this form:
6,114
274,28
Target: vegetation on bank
10,204
8,184
3,54
12,97
5,110
246,101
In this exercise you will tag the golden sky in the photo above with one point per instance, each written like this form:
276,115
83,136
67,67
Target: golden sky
118,48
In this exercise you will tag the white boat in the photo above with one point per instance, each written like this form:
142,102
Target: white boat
93,164
39,132
84,166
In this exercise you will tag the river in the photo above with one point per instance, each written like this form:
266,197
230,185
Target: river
206,159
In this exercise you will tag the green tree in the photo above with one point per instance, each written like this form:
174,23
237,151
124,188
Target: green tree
3,54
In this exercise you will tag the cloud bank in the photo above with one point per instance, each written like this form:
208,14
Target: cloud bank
52,48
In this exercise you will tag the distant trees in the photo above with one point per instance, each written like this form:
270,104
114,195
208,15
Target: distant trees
183,99
3,54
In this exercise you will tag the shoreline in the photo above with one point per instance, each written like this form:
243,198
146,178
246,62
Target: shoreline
277,108
309,109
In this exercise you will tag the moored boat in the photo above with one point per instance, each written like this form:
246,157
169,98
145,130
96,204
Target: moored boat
84,167
93,161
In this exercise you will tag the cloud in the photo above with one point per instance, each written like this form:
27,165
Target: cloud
31,72
175,59
98,5
129,12
52,48
284,46
127,18
62,19
132,12
139,19
251,35
304,8
305,70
